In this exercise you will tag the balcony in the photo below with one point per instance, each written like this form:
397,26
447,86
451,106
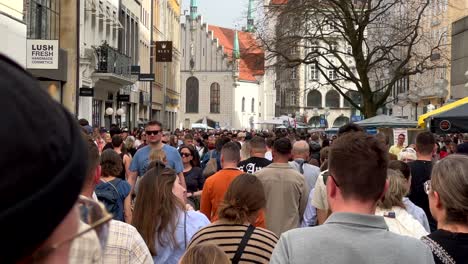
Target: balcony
112,66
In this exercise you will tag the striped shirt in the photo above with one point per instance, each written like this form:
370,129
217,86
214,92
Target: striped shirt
229,236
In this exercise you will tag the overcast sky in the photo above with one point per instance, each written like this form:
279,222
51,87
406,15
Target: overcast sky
224,13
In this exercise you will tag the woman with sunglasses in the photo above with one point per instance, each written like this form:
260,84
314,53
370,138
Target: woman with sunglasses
161,218
448,201
193,174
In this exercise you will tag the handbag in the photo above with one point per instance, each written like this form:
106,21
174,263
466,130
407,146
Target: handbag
211,166
243,244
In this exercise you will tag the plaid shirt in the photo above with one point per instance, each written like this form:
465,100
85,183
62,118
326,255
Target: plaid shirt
125,246
85,248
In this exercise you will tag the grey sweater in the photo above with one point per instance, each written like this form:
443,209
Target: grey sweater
349,238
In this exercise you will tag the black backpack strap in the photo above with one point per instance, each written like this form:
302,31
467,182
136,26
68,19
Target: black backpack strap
243,244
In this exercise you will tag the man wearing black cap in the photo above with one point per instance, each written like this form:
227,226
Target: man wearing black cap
39,192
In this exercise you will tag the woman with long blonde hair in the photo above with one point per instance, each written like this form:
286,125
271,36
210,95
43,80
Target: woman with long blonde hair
161,218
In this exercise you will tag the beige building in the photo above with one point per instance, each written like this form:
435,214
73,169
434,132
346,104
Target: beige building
433,86
166,27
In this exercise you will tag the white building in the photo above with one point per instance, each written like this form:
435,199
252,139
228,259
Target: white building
13,31
221,76
108,47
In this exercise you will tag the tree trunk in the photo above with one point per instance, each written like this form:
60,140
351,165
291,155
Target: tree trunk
369,108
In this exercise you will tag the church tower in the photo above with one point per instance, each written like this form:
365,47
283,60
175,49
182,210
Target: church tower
250,17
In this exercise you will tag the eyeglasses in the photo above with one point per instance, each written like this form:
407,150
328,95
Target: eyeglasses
428,187
185,154
92,213
327,174
152,132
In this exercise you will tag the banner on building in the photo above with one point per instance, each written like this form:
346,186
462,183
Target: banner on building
163,51
42,54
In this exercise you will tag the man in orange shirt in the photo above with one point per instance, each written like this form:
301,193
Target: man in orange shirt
216,185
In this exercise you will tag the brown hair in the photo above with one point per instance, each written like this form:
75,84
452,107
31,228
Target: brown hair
450,181
258,143
324,152
244,197
400,166
231,152
425,143
111,163
154,123
156,209
205,253
396,190
93,156
359,162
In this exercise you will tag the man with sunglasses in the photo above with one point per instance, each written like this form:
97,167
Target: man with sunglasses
140,162
355,182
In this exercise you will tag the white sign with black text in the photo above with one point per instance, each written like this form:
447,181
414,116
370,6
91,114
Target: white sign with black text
42,54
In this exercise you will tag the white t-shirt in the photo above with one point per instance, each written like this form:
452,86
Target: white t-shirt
402,223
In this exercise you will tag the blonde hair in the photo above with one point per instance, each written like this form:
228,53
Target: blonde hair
450,180
407,153
397,189
205,253
157,155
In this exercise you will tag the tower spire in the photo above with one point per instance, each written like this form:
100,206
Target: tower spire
250,17
193,9
235,49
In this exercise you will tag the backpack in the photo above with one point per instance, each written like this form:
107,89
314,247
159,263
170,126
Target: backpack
107,193
211,166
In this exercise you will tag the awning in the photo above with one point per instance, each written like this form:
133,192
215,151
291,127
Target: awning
382,121
454,120
422,118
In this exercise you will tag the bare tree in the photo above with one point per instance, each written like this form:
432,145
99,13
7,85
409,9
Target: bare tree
354,44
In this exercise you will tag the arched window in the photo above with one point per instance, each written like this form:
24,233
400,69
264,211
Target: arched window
355,96
252,107
243,104
191,95
332,99
314,99
214,98
341,121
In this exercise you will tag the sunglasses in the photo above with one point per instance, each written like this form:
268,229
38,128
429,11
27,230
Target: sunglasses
185,154
327,174
152,132
92,213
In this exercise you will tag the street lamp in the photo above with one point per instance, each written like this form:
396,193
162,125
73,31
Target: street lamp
326,114
402,101
414,98
119,114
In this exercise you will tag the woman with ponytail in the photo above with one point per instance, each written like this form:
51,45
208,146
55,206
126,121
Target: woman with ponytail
234,232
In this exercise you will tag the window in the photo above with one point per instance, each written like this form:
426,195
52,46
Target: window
97,112
355,97
293,73
214,98
314,73
43,19
350,50
253,105
243,104
332,75
332,99
314,99
191,104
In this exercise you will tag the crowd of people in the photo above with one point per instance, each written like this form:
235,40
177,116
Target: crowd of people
92,195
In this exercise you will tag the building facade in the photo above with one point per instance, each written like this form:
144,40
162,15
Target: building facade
304,91
13,28
108,48
221,76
